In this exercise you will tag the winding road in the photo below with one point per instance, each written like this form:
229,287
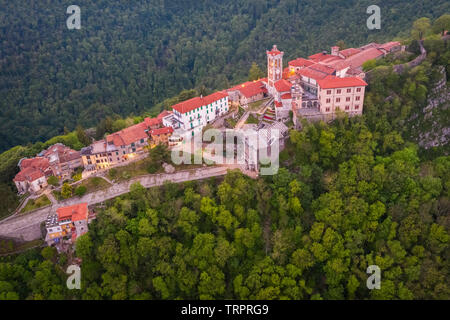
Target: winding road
27,226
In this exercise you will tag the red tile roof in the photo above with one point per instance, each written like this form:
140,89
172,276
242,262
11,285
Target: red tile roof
38,162
198,102
300,62
370,45
357,60
389,45
151,122
274,51
286,96
330,60
164,130
283,85
349,52
30,174
164,114
128,135
311,73
235,88
74,213
332,82
252,89
322,68
320,56
278,104
33,169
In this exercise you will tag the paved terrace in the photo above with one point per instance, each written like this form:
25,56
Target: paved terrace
27,226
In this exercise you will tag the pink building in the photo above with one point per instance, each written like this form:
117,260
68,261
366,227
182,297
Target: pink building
345,94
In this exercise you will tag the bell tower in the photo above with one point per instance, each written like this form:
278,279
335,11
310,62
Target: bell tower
274,66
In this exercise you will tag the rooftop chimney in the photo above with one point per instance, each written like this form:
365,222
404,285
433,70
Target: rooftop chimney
335,51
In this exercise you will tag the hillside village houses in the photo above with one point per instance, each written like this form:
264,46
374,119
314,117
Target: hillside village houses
314,88
69,221
192,115
124,145
58,160
33,175
63,160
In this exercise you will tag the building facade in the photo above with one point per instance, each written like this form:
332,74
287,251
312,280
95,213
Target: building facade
33,175
67,222
161,136
192,115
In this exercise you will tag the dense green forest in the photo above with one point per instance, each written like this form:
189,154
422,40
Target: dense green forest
350,194
129,57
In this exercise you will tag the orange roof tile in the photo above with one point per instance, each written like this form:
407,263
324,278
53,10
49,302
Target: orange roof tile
349,52
164,114
150,122
198,102
322,68
332,82
283,85
311,73
300,62
38,162
32,169
389,45
320,56
164,130
252,89
74,213
128,135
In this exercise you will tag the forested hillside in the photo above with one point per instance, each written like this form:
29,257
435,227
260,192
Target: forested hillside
129,56
353,193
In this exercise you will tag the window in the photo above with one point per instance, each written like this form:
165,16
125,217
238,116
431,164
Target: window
349,90
347,107
347,99
339,91
328,100
338,99
358,89
142,140
358,98
356,107
327,109
328,91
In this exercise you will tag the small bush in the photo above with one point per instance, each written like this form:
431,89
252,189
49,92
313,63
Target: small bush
80,191
53,181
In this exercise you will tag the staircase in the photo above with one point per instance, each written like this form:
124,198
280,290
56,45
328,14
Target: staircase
269,115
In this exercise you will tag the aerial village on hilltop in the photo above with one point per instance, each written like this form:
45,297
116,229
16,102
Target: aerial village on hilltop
313,89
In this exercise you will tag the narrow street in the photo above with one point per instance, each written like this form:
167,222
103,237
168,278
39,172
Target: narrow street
27,226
